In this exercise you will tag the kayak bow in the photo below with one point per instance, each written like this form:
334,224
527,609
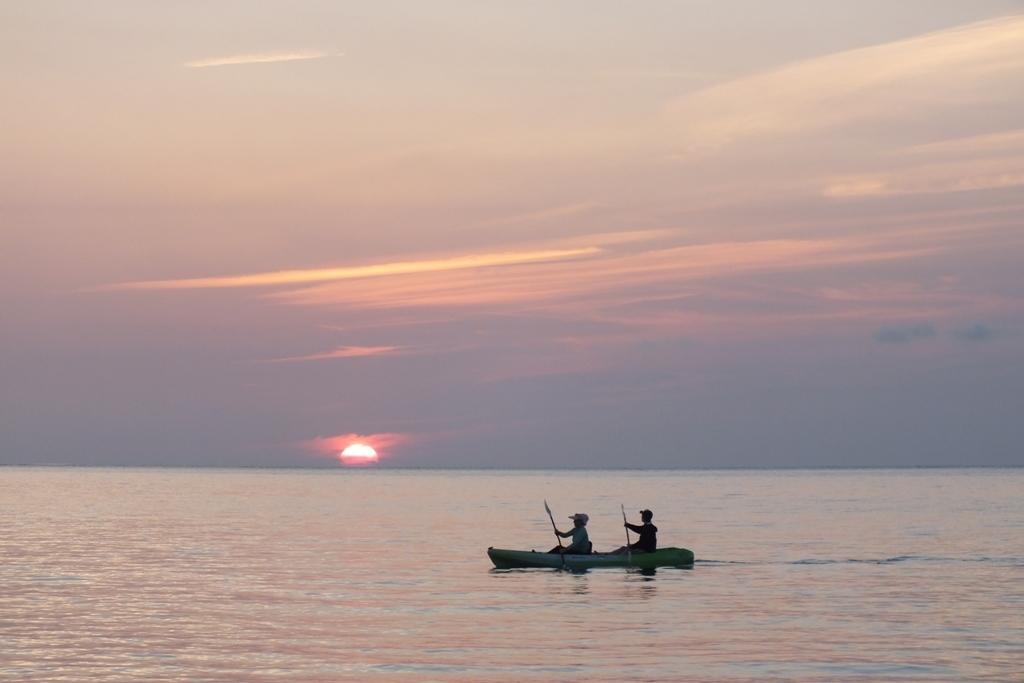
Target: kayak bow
663,557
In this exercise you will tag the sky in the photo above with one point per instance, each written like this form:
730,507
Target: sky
530,234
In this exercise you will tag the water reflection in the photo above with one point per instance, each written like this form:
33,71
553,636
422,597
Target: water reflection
641,584
178,575
580,583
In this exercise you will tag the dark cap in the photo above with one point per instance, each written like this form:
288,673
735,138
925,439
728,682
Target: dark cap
646,514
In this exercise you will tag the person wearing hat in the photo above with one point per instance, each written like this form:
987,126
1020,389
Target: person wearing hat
581,544
648,542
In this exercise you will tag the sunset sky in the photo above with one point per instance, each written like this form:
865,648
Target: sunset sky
513,234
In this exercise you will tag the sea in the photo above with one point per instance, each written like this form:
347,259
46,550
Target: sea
254,575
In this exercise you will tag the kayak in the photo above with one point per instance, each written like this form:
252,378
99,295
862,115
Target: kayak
662,557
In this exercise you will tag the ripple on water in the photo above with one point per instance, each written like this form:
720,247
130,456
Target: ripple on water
203,575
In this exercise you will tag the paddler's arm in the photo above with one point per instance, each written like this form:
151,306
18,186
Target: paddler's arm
634,527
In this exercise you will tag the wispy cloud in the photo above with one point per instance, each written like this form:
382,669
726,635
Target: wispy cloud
932,179
611,278
906,80
1006,142
343,352
261,58
292,277
959,164
627,272
639,285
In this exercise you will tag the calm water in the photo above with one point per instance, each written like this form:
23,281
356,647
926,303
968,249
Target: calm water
240,575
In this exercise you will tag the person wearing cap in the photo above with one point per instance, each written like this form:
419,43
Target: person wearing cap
648,542
581,544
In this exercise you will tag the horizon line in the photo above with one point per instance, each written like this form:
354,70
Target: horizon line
455,468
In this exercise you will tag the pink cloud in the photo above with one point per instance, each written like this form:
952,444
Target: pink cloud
343,352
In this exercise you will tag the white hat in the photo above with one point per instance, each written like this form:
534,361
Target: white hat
582,516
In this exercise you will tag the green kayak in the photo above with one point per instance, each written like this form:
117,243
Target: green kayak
663,557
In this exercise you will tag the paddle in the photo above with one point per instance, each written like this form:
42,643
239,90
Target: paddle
555,529
629,552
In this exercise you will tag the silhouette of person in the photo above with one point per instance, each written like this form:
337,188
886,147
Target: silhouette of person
581,544
648,542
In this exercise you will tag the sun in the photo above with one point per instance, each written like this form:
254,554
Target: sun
358,453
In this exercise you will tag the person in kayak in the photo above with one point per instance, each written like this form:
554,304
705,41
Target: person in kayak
581,544
648,542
